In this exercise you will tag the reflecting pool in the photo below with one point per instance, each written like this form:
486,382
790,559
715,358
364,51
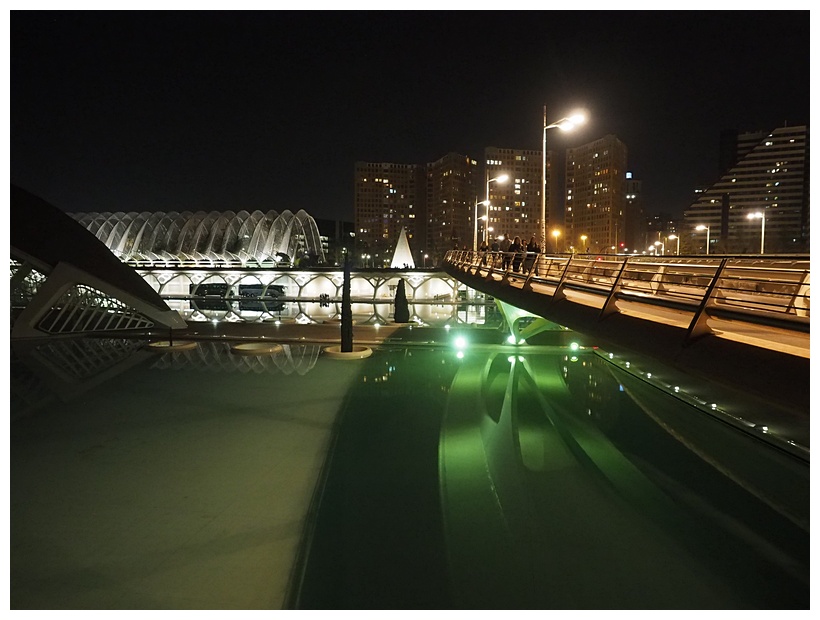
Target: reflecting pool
449,470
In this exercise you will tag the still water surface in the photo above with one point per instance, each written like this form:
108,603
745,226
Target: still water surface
482,477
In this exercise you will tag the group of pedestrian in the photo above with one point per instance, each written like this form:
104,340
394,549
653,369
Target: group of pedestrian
521,257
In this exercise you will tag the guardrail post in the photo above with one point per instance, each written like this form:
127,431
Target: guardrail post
801,299
559,294
699,328
609,306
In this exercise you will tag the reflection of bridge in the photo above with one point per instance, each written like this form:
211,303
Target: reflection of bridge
745,319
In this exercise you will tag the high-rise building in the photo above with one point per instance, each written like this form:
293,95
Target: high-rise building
596,195
635,236
451,200
515,205
771,177
387,198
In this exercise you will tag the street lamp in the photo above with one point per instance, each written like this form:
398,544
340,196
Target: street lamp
706,228
425,261
475,223
663,247
677,250
584,243
556,233
502,178
759,216
565,124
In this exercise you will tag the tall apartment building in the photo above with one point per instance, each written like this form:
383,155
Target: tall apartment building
451,199
386,198
635,236
515,205
596,205
770,176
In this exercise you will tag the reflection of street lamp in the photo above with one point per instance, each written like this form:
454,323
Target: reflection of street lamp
475,223
556,233
677,251
565,124
706,228
663,247
502,178
584,243
759,216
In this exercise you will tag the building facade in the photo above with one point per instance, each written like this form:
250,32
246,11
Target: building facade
451,199
516,204
596,206
386,198
770,176
635,231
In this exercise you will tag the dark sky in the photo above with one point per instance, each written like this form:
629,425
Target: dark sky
134,111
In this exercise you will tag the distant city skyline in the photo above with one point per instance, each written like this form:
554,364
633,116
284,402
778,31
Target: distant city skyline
145,111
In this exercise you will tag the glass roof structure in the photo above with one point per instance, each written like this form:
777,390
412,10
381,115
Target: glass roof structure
207,238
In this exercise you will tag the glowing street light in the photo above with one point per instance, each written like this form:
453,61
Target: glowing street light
556,233
706,228
759,216
584,243
502,178
677,250
475,223
663,247
425,261
565,124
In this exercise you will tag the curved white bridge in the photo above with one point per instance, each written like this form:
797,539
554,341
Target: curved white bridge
744,319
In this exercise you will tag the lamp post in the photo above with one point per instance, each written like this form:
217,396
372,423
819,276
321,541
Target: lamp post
663,247
760,216
556,233
425,261
677,250
706,228
565,124
584,243
502,178
475,223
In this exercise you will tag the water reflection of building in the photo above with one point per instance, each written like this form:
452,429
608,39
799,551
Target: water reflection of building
63,368
217,357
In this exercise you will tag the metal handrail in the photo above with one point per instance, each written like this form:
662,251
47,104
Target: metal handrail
755,289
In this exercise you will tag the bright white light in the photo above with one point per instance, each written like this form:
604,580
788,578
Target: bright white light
511,359
714,405
574,346
446,327
460,342
511,339
460,355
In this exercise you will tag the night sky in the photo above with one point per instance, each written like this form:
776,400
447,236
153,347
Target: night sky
142,111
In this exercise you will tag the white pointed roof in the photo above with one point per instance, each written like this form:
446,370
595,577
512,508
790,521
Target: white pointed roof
402,257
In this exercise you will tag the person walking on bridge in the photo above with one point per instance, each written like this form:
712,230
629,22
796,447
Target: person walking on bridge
517,253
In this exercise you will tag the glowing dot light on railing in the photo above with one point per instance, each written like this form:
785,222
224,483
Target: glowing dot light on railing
574,346
511,339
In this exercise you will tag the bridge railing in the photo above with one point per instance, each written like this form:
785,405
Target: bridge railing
773,291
